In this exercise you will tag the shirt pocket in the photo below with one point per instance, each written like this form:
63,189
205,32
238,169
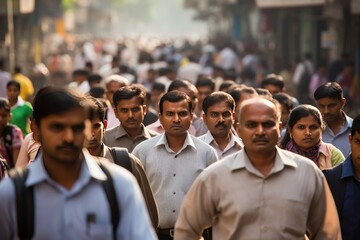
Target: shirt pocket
294,217
98,231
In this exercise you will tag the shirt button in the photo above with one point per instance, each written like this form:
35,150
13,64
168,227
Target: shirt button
173,211
176,156
174,193
174,174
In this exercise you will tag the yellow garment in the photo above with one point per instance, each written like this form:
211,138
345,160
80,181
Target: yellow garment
26,86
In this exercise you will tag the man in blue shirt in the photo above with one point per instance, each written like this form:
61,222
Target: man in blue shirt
69,199
330,101
344,182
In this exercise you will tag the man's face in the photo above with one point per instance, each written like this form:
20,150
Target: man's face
273,89
62,136
331,108
355,150
97,133
130,113
259,127
111,88
203,92
13,92
219,119
176,117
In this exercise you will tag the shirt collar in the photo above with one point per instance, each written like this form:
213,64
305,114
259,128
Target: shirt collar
122,132
89,169
234,140
163,142
20,102
282,159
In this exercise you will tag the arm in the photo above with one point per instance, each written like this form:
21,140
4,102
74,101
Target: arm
139,173
323,220
197,211
336,157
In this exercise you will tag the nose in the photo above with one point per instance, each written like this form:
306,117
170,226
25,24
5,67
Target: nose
221,118
130,114
260,129
176,118
307,131
68,135
326,109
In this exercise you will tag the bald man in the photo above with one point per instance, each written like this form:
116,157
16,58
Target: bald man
260,192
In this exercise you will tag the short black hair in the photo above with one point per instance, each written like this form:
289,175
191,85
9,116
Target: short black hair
57,100
97,109
174,96
329,90
94,78
128,92
13,83
205,82
355,125
273,79
97,92
284,99
237,91
218,97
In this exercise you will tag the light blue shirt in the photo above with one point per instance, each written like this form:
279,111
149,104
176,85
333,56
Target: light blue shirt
62,214
171,174
341,139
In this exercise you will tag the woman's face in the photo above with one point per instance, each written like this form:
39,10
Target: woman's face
306,132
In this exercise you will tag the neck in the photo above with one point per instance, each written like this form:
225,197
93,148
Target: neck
336,125
12,102
64,174
96,151
222,142
262,161
134,133
175,142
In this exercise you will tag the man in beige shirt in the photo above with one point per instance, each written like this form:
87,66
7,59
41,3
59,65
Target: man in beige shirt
260,192
130,110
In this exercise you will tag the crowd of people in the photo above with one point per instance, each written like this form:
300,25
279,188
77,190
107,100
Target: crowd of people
210,145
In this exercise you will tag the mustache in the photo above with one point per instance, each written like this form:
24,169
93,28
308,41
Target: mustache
221,125
260,139
67,146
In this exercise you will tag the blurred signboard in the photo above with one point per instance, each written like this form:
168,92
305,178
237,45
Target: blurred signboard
288,3
355,6
329,39
19,6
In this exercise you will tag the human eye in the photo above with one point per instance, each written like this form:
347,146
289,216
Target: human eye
96,126
301,127
314,127
269,124
57,127
226,114
183,114
214,114
136,109
78,128
251,124
124,110
169,114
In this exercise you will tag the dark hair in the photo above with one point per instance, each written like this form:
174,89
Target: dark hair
13,83
205,82
80,72
94,78
355,125
56,100
4,104
218,97
225,85
296,114
176,84
97,109
97,92
263,92
273,79
17,69
158,86
128,92
284,99
174,96
329,90
237,91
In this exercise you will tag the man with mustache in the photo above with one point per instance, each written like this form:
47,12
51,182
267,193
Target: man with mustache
69,200
219,117
330,101
261,191
130,110
173,159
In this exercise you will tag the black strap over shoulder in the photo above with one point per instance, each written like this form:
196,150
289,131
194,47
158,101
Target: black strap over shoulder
121,157
24,203
7,137
109,188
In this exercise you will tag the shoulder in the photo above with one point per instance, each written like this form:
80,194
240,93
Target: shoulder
151,132
147,144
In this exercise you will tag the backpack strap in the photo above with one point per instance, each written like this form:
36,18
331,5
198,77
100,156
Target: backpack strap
24,203
121,157
109,189
8,136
